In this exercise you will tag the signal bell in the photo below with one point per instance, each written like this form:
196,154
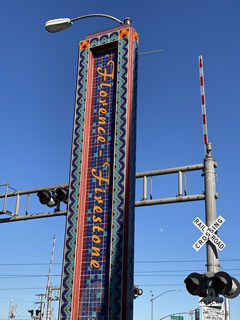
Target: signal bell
197,284
38,313
225,285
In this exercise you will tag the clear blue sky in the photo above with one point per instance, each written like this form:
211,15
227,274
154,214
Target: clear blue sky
37,85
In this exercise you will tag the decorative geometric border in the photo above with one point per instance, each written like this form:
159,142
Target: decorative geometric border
74,185
119,184
119,180
130,272
124,204
106,38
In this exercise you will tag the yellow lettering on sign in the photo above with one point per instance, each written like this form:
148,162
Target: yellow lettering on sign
103,102
101,139
97,228
103,94
96,219
99,199
96,239
102,120
95,264
96,251
105,74
100,178
97,209
106,168
102,110
101,130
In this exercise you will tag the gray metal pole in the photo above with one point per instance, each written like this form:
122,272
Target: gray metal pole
152,304
49,300
144,188
152,310
5,197
180,183
150,188
154,298
185,183
210,207
227,309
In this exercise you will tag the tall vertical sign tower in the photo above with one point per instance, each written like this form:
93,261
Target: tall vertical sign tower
97,276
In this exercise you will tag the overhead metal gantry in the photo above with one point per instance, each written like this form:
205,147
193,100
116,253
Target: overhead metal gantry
10,216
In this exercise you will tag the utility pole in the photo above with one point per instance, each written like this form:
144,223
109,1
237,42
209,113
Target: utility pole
40,302
50,299
49,303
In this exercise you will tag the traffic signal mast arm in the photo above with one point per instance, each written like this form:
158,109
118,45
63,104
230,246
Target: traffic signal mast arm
52,195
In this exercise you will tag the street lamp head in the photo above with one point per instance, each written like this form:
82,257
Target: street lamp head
57,25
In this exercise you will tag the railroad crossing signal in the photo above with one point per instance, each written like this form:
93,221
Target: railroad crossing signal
210,286
209,233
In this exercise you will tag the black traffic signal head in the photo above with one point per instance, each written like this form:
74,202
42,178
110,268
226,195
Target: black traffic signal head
137,292
225,285
62,194
31,312
197,284
46,197
38,313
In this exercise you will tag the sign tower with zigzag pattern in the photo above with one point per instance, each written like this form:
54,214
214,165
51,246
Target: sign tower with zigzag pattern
97,275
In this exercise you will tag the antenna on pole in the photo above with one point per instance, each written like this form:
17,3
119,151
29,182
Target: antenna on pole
203,103
49,272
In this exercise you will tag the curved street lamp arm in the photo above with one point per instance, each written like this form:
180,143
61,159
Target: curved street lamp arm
163,293
174,314
126,20
60,24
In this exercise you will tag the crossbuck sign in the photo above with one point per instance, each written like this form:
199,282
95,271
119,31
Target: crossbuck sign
209,233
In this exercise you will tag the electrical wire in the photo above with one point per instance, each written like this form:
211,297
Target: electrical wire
178,261
140,261
144,273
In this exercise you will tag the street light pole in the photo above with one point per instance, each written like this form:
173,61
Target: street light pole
152,299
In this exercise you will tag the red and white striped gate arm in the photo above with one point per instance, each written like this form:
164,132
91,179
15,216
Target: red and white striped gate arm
204,114
49,273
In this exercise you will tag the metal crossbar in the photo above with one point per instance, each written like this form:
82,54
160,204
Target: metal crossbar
143,202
